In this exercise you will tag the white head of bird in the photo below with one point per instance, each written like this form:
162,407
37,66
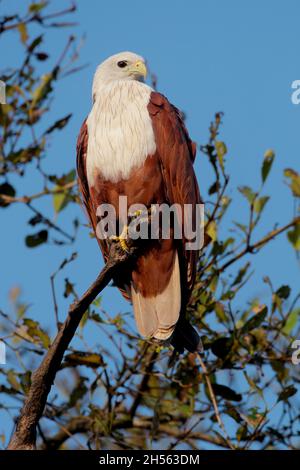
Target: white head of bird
120,67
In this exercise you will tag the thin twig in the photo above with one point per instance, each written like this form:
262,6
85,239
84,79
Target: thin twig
260,243
144,382
214,402
47,192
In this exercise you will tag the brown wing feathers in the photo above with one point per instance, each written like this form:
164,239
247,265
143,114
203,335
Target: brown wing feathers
176,153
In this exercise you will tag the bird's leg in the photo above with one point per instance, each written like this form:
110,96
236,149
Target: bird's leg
121,239
136,213
139,216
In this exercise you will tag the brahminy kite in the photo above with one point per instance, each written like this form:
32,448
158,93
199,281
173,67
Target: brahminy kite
134,143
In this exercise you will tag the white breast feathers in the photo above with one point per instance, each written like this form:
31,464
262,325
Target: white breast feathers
120,133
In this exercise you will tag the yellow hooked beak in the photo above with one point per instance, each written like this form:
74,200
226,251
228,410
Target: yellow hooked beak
139,69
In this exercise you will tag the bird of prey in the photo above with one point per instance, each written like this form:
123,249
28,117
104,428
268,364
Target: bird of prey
135,143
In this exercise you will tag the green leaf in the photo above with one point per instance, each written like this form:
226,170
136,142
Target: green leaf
80,358
241,274
291,321
220,312
25,381
78,392
25,155
59,124
280,370
228,295
213,283
23,32
60,201
283,292
221,150
97,302
34,330
214,188
69,288
96,317
217,248
221,347
260,203
267,164
36,239
253,385
12,380
41,56
242,433
233,413
287,393
226,392
8,190
254,321
36,42
294,237
242,227
211,230
64,179
249,194
254,418
294,181
44,88
37,7
84,319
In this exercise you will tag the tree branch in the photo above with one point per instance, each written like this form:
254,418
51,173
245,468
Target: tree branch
77,425
24,436
259,244
84,424
46,192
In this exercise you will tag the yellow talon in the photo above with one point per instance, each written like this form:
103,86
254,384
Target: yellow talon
122,239
124,245
136,213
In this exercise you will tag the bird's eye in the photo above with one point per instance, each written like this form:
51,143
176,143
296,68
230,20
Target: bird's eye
122,64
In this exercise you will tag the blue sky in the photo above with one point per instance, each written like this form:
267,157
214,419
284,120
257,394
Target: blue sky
209,55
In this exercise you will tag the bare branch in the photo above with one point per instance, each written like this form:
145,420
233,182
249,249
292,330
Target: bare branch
24,436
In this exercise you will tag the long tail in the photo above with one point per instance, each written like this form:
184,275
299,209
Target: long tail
162,316
156,316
